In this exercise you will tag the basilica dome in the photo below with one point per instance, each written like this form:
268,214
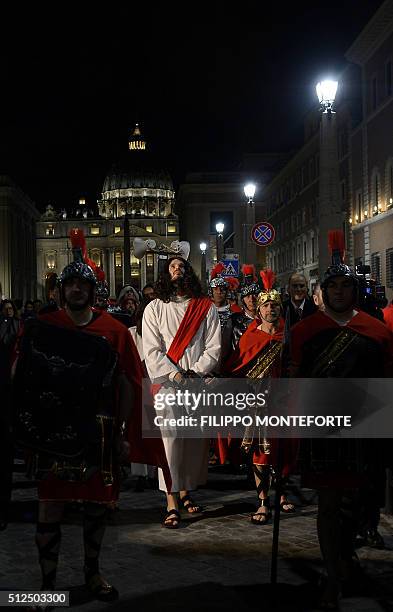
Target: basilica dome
136,177
137,185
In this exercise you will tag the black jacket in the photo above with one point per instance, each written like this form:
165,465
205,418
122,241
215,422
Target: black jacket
308,309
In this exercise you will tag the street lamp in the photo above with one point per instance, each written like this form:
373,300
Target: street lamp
249,192
326,92
220,240
330,214
202,248
249,246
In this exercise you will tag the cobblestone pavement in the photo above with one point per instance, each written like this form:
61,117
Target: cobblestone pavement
216,562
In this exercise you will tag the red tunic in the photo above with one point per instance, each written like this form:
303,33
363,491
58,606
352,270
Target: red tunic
143,450
388,316
364,325
251,343
361,323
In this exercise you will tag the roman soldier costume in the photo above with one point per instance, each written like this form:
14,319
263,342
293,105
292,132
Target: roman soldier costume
249,286
71,393
326,346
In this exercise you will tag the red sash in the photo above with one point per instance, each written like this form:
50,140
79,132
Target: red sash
196,311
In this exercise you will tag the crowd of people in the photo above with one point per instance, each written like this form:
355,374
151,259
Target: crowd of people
170,333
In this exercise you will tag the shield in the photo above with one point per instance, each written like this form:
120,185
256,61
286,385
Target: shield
62,390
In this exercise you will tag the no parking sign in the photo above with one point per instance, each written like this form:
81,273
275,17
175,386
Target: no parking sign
263,233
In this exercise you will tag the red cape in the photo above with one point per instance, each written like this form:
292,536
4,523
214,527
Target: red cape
388,316
143,450
361,323
250,344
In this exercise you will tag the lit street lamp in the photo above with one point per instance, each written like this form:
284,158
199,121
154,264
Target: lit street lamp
249,246
202,248
220,240
330,215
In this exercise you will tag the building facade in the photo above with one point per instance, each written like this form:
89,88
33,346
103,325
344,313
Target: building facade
134,193
207,198
18,215
356,168
371,150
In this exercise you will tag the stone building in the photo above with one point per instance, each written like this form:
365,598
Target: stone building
371,149
134,191
360,172
18,215
206,198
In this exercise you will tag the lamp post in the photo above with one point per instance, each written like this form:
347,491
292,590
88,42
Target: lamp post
249,246
202,248
127,251
220,240
330,215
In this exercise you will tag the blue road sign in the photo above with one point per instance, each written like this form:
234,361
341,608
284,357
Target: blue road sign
231,267
263,233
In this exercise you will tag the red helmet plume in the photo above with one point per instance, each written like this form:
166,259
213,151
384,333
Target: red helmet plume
232,282
336,243
216,271
248,271
78,241
268,278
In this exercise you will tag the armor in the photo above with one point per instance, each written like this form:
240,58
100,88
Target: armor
64,400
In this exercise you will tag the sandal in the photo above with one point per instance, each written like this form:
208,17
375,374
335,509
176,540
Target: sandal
101,589
187,503
289,510
171,519
265,516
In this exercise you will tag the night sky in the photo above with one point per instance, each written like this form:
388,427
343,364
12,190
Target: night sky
207,82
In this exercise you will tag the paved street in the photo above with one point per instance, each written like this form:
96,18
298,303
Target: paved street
218,562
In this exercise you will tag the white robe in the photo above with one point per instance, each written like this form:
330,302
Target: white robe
187,457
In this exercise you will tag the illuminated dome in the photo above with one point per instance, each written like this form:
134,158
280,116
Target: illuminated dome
134,178
137,183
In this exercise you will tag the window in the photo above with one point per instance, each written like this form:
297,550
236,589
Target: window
389,183
171,229
388,78
358,213
95,255
312,249
149,260
376,191
95,230
304,252
376,267
50,230
117,229
374,93
118,259
389,268
51,257
149,228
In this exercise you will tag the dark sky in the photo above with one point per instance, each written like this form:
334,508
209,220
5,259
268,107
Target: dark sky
206,81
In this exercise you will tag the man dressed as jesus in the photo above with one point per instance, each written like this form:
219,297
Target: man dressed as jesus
181,337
